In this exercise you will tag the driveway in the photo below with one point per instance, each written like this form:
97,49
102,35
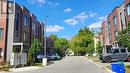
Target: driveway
75,64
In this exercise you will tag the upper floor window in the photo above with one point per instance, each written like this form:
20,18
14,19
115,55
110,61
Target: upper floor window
110,37
0,52
128,9
3,7
1,33
114,20
25,37
109,26
11,7
26,20
34,26
17,23
116,34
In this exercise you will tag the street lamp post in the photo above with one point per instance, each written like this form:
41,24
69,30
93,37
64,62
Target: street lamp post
44,61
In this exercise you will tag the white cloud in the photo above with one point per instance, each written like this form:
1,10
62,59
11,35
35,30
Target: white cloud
102,18
91,14
67,10
80,18
39,2
97,24
53,4
55,28
71,22
42,2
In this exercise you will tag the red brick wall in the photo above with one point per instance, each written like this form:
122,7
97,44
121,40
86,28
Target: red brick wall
3,25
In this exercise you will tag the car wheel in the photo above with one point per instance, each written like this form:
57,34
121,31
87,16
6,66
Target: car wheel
107,59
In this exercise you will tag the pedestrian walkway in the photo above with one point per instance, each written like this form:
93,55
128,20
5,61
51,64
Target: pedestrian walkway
24,69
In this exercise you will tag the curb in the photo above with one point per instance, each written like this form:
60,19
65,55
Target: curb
108,70
24,69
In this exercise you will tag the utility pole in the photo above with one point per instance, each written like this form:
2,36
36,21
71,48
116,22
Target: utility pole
44,61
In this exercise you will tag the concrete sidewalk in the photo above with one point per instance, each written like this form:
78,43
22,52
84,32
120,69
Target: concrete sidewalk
28,68
23,69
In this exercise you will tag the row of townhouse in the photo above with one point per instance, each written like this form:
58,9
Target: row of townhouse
18,27
116,21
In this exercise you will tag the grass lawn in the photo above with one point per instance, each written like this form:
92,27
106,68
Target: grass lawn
94,58
38,64
127,67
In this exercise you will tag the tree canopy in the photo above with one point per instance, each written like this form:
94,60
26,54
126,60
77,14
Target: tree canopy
124,37
82,43
60,44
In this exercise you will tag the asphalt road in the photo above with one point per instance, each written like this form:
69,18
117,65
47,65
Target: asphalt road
76,64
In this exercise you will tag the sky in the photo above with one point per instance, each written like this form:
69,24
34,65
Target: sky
64,18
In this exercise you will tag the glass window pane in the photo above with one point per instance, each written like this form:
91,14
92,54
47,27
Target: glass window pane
1,33
128,9
116,51
123,51
4,7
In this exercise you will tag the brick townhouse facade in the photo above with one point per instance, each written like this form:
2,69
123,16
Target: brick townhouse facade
18,33
116,21
127,7
3,18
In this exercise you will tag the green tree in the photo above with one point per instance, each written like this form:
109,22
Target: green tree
35,48
124,37
82,43
54,37
61,46
99,48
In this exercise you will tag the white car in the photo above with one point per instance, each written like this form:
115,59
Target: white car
53,56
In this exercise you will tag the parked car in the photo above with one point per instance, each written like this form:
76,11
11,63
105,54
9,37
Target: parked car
117,54
52,56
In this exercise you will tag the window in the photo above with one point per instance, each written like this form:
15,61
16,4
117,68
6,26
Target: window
123,51
25,37
116,51
34,26
110,37
116,33
3,7
26,20
17,23
11,7
109,26
114,20
128,9
0,52
1,33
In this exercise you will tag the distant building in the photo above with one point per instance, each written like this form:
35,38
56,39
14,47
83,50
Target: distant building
96,41
50,45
